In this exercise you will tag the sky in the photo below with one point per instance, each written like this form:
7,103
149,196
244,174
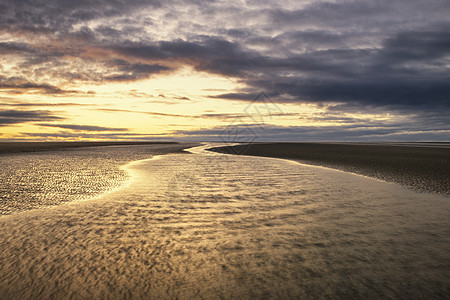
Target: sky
374,70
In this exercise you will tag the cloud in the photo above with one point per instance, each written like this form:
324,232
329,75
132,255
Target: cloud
352,51
367,16
418,45
14,48
255,133
358,55
127,71
21,85
371,91
82,127
93,136
210,54
167,98
218,116
409,70
15,103
235,96
61,15
10,117
157,114
332,124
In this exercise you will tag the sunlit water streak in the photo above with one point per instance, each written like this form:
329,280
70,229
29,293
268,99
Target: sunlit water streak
212,226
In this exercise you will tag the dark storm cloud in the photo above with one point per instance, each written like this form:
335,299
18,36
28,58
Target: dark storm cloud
11,116
409,69
418,45
210,54
144,51
60,15
13,48
374,91
369,16
311,39
82,127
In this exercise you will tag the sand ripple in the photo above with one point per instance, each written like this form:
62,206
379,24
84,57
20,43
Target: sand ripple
34,180
217,226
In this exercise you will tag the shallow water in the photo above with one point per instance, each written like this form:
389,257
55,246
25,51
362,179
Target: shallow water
35,180
213,226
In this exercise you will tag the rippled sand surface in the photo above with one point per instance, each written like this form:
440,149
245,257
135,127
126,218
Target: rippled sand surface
216,226
34,180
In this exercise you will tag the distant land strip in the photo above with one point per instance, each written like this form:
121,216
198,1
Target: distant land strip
17,147
426,169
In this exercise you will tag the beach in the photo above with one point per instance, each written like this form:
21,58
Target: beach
212,226
18,147
421,166
32,178
231,150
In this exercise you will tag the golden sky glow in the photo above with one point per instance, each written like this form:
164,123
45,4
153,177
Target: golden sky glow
160,106
150,70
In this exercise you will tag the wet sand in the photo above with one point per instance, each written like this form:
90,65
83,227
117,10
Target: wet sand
422,166
232,227
31,180
17,147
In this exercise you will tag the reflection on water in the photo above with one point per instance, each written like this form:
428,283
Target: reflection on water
215,226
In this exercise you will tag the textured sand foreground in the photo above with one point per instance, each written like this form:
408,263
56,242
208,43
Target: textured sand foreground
422,166
231,227
31,180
